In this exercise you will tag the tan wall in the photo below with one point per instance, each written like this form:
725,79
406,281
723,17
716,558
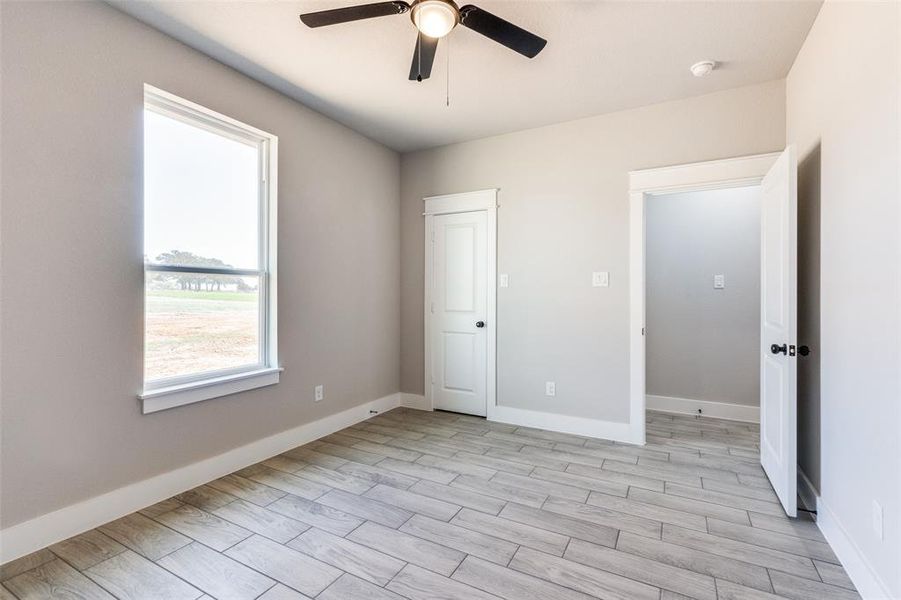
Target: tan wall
563,214
843,105
72,259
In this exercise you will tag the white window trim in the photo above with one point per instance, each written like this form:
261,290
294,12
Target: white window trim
168,393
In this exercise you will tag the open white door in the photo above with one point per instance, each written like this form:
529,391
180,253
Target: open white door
459,311
779,316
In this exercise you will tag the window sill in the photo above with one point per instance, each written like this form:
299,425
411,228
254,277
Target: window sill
178,395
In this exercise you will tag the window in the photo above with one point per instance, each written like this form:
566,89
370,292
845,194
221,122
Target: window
209,254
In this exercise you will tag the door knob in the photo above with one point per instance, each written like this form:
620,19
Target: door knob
480,323
803,350
777,349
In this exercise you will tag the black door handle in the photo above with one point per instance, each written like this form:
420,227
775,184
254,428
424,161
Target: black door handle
777,349
480,323
803,350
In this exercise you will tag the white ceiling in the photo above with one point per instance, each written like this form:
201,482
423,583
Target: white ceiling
601,56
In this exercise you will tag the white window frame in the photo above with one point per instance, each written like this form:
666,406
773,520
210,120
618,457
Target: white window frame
160,394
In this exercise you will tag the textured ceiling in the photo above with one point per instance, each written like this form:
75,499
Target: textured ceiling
601,57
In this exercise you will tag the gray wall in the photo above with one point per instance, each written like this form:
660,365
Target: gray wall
564,213
843,103
72,259
703,343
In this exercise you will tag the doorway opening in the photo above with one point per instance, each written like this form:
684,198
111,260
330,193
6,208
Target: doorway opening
775,176
702,303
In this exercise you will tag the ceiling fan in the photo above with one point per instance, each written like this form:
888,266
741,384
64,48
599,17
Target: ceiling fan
434,19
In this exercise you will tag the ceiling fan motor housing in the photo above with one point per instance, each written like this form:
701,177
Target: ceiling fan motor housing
435,18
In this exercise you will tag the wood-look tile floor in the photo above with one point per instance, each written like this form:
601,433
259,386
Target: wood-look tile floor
414,505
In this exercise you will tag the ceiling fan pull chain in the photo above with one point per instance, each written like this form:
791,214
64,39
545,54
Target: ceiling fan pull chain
447,73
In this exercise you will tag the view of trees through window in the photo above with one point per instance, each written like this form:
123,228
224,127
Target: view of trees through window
197,322
210,282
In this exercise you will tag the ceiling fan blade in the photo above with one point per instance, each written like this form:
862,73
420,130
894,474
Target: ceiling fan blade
354,13
501,31
423,57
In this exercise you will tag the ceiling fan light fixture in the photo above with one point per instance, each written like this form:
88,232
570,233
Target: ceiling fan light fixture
434,18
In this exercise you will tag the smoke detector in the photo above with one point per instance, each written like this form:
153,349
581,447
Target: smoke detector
703,68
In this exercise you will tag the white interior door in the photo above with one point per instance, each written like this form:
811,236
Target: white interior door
459,332
779,312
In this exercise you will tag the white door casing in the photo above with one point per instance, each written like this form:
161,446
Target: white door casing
740,171
778,328
460,302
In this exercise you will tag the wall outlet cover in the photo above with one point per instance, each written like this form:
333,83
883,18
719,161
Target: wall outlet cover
318,394
600,279
550,388
504,280
719,282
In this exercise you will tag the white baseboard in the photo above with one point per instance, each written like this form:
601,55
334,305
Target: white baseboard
806,491
608,430
416,401
718,410
868,583
62,524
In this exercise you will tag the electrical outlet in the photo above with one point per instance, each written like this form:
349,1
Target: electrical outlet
877,520
719,282
550,388
318,394
504,280
600,279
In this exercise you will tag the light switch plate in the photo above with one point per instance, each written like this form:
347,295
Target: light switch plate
504,280
600,279
719,282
